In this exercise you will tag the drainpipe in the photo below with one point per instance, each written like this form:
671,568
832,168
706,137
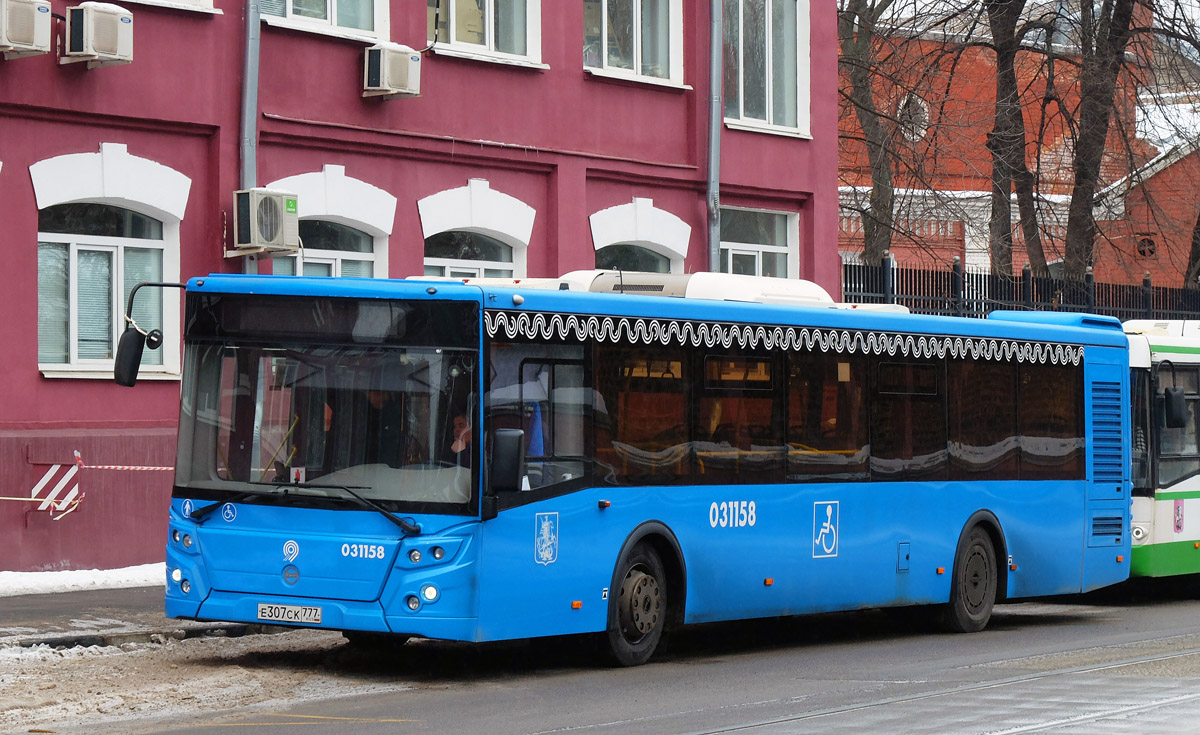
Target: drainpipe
249,140
716,115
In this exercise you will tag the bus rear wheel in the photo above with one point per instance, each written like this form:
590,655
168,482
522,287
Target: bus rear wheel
973,586
637,612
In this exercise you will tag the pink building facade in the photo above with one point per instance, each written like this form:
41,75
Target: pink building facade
548,136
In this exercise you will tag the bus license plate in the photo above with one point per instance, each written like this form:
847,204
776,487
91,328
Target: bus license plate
289,613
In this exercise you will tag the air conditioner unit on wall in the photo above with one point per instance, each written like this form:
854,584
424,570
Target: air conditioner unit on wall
100,34
24,28
391,70
265,219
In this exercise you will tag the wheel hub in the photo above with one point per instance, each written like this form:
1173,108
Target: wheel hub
640,603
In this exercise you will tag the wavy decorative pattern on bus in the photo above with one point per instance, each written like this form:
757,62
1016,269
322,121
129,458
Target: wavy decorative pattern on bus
630,330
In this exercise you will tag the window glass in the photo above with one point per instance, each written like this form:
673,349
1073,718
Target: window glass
908,422
459,254
1179,448
326,244
982,409
492,25
736,436
539,389
54,302
761,61
1050,421
356,14
754,243
645,437
631,35
90,256
827,418
631,258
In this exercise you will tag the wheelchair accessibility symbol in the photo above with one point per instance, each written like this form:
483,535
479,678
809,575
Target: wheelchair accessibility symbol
825,529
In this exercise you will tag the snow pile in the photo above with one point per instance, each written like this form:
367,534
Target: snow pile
36,583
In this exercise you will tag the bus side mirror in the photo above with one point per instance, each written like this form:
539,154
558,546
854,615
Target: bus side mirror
508,460
129,356
1174,408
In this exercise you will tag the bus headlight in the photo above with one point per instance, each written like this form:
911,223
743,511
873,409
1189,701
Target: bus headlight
186,586
429,592
187,541
412,602
415,556
175,535
176,575
438,552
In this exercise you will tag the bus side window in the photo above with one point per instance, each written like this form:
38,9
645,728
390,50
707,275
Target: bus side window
540,390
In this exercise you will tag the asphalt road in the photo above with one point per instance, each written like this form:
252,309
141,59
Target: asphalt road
1125,661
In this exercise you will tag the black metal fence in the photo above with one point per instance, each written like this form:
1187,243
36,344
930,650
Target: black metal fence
956,292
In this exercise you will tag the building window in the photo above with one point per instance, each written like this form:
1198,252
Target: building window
913,117
89,258
358,15
459,254
757,243
344,225
493,27
766,63
330,249
638,38
639,237
106,221
625,257
475,231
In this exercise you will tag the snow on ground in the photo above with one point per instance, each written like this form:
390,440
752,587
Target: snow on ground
36,583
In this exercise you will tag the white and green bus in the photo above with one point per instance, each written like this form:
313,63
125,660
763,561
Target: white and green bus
1165,389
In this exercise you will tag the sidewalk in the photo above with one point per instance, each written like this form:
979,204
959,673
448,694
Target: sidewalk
100,617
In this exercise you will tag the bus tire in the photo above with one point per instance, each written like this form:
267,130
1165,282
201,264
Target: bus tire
361,640
973,585
637,610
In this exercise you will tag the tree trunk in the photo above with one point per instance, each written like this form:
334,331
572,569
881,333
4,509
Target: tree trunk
856,37
1102,61
1191,277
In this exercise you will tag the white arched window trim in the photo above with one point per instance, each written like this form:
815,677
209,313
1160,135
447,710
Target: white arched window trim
329,194
645,225
477,207
115,177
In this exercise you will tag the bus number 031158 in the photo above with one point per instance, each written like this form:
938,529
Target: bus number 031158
732,514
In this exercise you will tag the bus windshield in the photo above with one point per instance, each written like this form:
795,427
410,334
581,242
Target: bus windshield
283,419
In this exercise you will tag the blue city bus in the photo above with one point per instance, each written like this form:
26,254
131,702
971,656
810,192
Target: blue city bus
478,462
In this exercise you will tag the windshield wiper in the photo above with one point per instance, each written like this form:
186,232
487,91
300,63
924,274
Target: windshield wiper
408,527
201,513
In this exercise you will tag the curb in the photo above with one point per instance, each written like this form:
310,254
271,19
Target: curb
159,635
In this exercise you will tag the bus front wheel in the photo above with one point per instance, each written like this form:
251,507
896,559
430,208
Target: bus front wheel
973,586
637,612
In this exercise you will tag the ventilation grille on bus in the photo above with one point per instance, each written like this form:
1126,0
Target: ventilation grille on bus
627,287
1106,530
1106,442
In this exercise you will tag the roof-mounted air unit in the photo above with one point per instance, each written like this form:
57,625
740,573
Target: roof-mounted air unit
24,28
264,220
391,70
100,34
